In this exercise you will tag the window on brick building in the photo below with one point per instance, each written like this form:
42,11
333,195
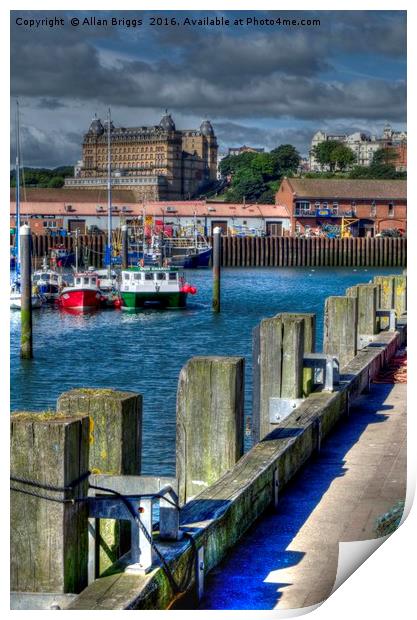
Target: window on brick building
373,209
391,209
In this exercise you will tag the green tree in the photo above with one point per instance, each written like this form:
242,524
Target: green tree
385,157
342,157
56,182
287,158
323,153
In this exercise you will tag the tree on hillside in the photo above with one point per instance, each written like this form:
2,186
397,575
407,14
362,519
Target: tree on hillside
247,185
376,171
384,157
334,155
232,163
323,153
342,157
287,158
56,182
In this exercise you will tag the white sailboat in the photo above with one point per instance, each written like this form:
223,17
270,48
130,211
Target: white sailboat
15,295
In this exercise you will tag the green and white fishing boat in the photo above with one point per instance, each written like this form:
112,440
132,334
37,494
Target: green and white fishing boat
162,287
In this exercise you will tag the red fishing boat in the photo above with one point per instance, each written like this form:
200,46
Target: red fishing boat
84,294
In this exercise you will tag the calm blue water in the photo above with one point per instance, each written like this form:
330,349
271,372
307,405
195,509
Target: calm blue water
144,352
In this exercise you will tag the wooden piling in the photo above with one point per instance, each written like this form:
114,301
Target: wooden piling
400,294
115,448
340,328
209,421
26,351
385,297
216,269
367,304
278,347
267,370
292,357
49,546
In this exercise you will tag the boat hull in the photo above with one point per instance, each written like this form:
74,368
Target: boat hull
132,300
80,299
16,302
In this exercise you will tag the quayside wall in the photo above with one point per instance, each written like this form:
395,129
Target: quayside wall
298,397
265,251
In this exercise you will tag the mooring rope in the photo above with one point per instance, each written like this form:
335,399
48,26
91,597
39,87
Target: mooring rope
178,589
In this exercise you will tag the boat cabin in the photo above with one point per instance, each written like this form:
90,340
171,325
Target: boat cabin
86,280
154,277
45,277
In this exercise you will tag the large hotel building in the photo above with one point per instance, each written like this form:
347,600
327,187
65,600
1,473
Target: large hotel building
159,162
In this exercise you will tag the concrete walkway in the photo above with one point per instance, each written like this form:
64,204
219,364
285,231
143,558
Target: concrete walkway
289,558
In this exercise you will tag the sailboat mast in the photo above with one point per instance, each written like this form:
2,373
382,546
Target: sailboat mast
17,222
109,213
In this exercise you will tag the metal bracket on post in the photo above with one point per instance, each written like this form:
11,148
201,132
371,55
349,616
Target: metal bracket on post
281,408
326,369
392,315
139,493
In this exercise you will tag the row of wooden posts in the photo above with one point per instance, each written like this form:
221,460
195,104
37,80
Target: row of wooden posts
100,430
265,251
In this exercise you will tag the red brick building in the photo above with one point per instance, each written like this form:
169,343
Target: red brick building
318,205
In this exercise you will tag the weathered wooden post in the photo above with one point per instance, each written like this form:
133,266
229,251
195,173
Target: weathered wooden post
400,295
217,240
209,421
125,247
26,351
309,320
49,544
115,448
279,344
367,305
385,297
340,328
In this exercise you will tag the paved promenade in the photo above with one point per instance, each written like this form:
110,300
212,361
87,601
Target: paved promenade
289,558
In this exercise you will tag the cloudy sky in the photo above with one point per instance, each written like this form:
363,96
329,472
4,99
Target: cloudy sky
259,85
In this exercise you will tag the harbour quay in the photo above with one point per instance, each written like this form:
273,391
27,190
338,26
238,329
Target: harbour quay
78,468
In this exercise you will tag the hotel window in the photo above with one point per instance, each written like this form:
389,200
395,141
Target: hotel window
373,209
335,208
391,209
353,207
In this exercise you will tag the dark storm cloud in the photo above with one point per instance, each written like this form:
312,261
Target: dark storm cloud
233,134
228,75
47,148
47,103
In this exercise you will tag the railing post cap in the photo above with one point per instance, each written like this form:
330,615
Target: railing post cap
25,229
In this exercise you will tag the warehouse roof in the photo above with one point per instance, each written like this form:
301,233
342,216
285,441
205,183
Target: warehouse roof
349,188
92,202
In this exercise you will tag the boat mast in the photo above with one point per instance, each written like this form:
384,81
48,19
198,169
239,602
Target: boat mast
17,221
195,230
109,213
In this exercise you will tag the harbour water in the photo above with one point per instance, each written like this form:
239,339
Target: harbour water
144,352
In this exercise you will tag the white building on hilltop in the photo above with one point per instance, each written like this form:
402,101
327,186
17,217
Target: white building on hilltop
362,144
